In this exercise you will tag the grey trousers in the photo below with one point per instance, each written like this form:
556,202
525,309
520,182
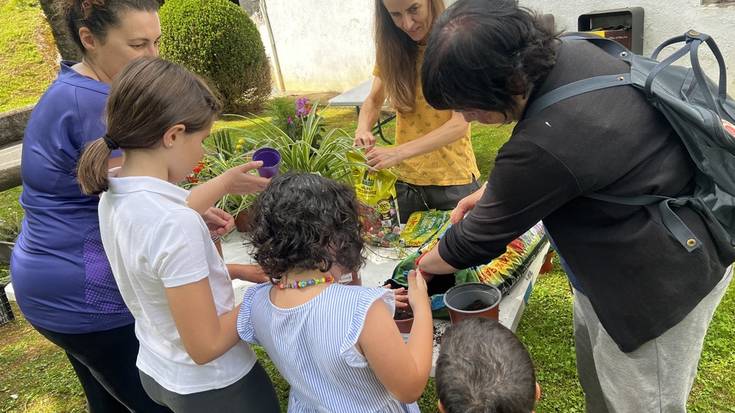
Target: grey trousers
657,377
252,393
412,198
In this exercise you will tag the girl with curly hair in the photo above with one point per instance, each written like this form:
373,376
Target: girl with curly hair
337,345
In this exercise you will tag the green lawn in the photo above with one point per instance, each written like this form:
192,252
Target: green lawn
35,376
40,378
27,53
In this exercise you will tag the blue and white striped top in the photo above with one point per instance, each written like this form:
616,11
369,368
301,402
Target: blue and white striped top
313,347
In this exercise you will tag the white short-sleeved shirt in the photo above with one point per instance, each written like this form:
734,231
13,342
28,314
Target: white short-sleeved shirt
155,241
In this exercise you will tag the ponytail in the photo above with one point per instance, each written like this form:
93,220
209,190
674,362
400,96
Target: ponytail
149,96
92,167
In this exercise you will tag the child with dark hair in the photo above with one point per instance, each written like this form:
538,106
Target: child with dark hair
165,265
484,368
336,345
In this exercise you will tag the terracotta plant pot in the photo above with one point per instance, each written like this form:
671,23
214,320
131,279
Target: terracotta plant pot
548,264
404,320
243,221
472,300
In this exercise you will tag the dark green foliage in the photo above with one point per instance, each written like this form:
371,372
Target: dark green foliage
282,111
217,40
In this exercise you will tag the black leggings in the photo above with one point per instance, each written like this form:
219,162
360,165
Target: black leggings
104,362
252,393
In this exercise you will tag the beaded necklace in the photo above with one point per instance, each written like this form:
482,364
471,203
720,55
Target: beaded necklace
306,283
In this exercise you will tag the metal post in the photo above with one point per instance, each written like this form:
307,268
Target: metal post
276,62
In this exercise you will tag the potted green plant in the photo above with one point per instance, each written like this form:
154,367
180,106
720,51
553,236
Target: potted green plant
316,150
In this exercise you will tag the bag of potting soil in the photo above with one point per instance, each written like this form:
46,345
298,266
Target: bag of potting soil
422,226
376,192
502,272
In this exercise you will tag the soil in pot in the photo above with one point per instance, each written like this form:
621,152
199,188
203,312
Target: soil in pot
476,305
404,320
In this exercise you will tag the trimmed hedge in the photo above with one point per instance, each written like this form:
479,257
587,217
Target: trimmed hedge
218,41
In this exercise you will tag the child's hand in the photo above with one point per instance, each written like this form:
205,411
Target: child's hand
401,296
247,272
240,181
417,291
218,221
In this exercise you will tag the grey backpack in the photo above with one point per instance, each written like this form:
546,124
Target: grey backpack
699,111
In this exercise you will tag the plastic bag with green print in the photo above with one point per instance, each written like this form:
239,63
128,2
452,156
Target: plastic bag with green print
502,272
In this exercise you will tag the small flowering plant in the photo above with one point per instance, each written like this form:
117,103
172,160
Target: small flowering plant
290,116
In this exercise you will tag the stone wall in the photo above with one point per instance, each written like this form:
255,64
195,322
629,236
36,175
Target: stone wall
12,125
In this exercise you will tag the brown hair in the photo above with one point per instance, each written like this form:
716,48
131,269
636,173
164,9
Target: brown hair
99,15
396,55
148,97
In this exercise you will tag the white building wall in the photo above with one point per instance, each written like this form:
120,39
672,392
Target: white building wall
662,20
327,45
322,45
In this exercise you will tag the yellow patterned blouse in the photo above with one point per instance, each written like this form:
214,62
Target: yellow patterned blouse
453,164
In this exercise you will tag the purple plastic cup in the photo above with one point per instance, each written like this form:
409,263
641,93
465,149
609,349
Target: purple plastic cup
271,161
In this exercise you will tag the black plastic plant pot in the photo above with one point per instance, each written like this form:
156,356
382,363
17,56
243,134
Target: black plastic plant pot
472,300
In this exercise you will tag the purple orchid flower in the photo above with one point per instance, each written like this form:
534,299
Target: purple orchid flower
302,107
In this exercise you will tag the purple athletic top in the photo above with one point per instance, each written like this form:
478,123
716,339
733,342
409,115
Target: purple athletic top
60,273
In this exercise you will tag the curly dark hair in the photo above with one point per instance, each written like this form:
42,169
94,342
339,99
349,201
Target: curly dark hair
483,53
306,222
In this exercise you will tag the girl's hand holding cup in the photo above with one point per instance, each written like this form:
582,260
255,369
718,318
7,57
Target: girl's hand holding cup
241,181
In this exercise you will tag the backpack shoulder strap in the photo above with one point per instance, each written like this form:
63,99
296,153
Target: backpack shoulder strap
671,221
591,84
611,47
574,89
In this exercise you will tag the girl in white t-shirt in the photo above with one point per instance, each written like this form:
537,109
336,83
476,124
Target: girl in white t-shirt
165,264
337,345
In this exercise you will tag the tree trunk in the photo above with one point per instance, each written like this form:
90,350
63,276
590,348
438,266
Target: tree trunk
67,48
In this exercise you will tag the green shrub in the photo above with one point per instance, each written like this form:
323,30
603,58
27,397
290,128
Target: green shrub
217,40
281,109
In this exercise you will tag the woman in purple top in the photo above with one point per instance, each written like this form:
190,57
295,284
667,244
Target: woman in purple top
60,272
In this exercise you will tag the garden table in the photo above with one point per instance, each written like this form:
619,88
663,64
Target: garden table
379,265
356,97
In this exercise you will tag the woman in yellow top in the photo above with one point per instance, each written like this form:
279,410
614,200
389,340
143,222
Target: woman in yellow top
433,155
